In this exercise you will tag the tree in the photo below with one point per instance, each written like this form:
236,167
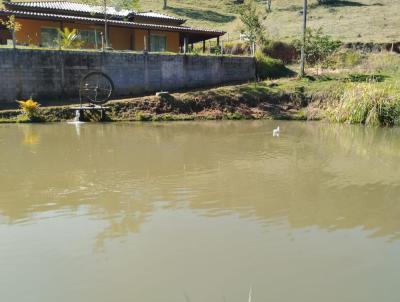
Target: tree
252,29
318,47
165,4
12,25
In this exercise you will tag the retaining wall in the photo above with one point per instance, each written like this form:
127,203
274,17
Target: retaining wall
48,74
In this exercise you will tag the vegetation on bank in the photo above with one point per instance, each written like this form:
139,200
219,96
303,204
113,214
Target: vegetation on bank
349,87
246,101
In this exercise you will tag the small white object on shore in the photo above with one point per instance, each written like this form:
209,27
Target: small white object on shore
162,93
276,131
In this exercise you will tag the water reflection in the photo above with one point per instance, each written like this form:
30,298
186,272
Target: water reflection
315,175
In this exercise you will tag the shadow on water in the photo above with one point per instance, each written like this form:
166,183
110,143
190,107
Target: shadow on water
315,175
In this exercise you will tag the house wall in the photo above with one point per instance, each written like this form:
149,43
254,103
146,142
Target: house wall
55,75
120,38
29,34
172,39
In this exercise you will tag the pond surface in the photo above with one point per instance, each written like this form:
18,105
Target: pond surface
199,211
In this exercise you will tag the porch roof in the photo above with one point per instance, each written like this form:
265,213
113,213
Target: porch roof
197,34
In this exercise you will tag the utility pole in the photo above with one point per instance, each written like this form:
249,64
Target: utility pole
303,46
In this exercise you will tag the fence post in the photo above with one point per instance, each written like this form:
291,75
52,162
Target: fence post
102,41
13,38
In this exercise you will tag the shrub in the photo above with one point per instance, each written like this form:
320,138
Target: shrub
283,51
69,39
318,47
364,77
30,109
268,68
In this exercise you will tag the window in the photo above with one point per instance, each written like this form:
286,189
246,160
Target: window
158,43
90,37
49,37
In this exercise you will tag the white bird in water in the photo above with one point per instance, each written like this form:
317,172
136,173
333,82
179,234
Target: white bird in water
276,132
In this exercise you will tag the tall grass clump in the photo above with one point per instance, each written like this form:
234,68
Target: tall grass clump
366,103
383,62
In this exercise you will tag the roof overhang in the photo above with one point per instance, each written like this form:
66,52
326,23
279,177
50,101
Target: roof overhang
205,33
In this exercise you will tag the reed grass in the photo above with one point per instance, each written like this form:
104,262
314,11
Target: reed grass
366,103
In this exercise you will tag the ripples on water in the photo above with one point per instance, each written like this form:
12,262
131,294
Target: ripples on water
199,211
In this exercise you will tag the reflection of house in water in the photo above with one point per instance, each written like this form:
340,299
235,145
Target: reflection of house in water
119,174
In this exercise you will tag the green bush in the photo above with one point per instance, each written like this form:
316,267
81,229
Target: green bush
364,77
283,51
269,68
318,47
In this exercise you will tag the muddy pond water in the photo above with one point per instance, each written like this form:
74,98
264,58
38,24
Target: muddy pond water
199,211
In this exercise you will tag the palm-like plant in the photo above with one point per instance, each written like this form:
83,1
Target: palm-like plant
68,39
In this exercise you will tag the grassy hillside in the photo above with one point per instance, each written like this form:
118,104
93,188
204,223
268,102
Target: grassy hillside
350,21
347,20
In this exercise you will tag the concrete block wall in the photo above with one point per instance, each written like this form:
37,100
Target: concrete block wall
48,74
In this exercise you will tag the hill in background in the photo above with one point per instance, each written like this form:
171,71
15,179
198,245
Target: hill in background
349,21
346,20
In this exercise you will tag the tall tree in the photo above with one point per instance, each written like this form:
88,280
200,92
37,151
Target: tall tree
253,28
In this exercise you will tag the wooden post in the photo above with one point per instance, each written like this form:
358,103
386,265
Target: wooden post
14,38
95,39
204,46
303,50
58,36
185,45
102,41
148,41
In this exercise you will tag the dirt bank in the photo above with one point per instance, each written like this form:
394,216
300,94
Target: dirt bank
248,101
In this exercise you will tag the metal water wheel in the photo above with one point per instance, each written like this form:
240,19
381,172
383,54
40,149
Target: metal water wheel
96,88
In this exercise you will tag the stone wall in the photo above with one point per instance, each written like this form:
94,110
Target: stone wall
55,75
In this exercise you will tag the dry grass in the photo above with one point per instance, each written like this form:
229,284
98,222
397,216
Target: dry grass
349,21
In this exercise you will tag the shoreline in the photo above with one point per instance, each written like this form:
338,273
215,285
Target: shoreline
236,102
371,99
